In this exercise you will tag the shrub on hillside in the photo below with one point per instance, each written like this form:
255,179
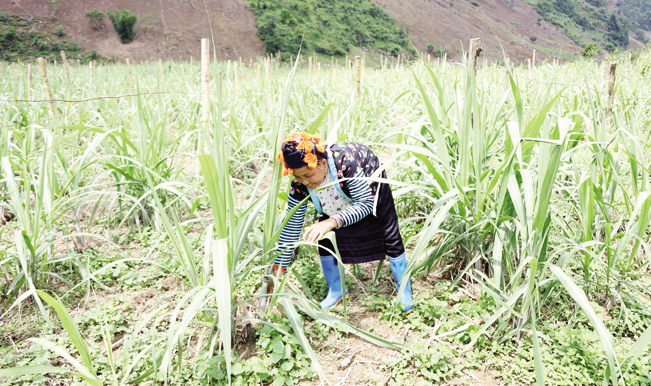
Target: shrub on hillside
60,32
11,34
590,50
123,22
95,15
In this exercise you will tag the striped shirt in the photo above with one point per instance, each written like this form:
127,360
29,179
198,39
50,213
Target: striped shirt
362,206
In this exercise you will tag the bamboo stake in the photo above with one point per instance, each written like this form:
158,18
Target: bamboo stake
29,80
611,88
90,72
205,88
237,82
358,75
65,65
46,84
384,68
130,77
476,48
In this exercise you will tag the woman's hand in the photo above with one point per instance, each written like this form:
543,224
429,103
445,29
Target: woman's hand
318,230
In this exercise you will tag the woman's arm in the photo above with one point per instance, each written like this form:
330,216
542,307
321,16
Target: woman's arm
362,205
291,232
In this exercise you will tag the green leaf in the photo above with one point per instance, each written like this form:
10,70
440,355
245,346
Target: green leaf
606,338
28,370
71,328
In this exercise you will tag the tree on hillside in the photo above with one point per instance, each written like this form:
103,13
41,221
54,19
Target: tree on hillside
617,30
566,7
123,22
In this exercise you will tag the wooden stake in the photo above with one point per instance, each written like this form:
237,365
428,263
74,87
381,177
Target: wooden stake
358,76
533,59
237,82
65,65
29,80
291,62
55,64
129,73
384,69
160,67
445,58
318,69
529,65
309,66
2,66
476,47
46,84
205,88
611,88
90,72
334,75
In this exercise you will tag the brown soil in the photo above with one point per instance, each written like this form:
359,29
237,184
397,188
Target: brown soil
167,29
451,26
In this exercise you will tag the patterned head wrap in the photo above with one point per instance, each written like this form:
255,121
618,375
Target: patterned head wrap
305,155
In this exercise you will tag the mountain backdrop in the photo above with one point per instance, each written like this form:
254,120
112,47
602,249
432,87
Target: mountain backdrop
172,29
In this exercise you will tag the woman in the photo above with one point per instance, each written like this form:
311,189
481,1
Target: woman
362,214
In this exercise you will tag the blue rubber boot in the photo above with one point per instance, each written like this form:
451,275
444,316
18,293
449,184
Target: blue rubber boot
398,267
331,273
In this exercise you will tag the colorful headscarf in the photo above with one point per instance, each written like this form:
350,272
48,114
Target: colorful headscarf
305,155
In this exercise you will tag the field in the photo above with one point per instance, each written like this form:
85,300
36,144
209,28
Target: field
137,226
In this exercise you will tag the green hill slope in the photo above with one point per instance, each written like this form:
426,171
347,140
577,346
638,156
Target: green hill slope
592,22
327,27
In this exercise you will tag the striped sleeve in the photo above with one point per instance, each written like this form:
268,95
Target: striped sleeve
362,206
291,232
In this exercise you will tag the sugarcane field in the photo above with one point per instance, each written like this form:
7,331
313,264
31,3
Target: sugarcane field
363,219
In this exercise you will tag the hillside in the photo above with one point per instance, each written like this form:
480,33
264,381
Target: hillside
448,24
172,29
169,29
